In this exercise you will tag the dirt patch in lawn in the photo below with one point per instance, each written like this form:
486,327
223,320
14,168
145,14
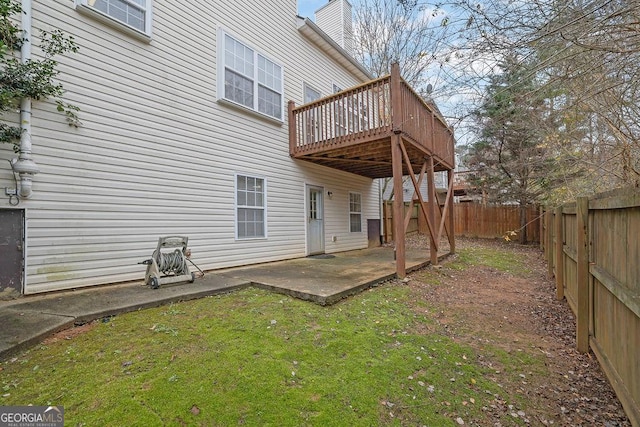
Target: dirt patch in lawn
69,334
508,315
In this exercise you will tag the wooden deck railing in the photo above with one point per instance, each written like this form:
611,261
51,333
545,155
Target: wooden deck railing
420,123
362,111
365,113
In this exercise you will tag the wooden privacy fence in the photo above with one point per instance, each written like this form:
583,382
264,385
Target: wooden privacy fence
387,208
491,221
593,248
473,220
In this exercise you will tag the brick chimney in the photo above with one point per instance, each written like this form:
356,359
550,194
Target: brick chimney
335,19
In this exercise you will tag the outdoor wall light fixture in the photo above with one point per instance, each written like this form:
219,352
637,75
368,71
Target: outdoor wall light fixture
330,194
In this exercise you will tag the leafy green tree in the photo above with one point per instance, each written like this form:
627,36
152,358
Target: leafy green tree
33,78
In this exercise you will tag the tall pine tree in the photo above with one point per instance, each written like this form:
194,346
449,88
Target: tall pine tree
510,161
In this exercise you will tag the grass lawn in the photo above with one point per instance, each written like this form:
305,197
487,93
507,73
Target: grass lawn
256,358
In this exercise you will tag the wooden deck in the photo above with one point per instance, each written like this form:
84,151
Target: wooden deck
381,129
352,130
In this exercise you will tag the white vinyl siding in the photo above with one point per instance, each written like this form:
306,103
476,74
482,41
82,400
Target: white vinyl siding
251,195
335,19
355,212
135,14
250,79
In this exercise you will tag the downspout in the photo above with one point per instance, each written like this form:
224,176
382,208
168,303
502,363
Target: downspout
24,165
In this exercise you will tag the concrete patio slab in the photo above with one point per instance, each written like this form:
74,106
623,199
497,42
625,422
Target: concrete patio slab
327,279
93,303
24,328
323,280
28,320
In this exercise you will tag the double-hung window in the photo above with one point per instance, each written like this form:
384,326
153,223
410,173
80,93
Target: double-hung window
355,212
310,94
311,118
251,195
251,79
134,14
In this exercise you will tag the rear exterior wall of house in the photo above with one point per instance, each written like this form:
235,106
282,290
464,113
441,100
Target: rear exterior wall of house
160,153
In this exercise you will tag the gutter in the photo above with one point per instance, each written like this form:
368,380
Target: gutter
309,28
24,165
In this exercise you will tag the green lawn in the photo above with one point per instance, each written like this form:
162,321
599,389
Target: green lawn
256,358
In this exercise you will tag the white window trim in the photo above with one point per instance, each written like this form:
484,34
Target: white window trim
351,212
235,202
221,67
83,7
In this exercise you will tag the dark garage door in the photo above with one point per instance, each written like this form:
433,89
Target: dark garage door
11,249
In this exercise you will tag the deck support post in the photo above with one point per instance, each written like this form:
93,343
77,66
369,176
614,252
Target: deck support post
450,219
433,201
398,206
445,214
396,166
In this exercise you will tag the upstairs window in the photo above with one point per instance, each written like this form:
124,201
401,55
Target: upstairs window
135,14
251,79
310,94
311,117
355,212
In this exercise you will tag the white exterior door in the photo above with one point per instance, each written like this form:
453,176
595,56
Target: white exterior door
315,220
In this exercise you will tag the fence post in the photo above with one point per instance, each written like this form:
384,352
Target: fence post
582,304
549,241
559,254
